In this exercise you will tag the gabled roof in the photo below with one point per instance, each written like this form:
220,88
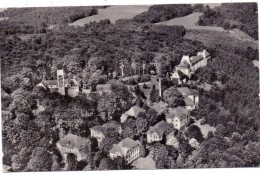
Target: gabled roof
134,111
188,101
74,141
106,126
184,64
127,143
177,112
184,91
187,91
160,128
195,59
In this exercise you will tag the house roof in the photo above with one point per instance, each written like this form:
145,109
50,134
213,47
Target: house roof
160,106
103,87
74,141
195,59
50,82
125,143
184,64
188,101
134,111
178,112
104,127
187,91
184,91
160,128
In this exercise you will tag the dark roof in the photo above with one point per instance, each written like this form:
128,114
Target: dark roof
195,59
71,141
160,128
184,64
106,126
50,82
179,112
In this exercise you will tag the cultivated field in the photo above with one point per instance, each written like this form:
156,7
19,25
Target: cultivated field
113,13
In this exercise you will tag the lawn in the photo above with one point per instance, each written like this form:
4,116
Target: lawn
205,129
113,13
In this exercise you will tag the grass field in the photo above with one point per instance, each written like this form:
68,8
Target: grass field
205,129
113,13
189,22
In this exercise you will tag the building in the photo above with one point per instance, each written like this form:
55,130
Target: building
132,112
74,144
157,132
191,97
101,88
100,132
70,87
189,65
177,116
127,148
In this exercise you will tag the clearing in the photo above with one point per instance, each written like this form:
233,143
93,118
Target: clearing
205,129
113,13
189,22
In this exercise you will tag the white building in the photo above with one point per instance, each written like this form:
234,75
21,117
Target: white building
177,116
127,148
70,87
71,143
189,65
100,132
191,97
157,132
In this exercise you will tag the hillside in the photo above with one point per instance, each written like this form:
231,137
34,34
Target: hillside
113,13
233,15
45,16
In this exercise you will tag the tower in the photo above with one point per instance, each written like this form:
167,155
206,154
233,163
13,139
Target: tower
60,79
160,87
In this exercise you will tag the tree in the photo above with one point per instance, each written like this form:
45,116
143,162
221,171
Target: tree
194,131
173,97
161,159
154,94
40,161
71,162
105,164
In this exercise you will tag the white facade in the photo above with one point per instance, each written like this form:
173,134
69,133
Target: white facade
153,137
64,151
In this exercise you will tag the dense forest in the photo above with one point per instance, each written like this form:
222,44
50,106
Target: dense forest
95,51
233,15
